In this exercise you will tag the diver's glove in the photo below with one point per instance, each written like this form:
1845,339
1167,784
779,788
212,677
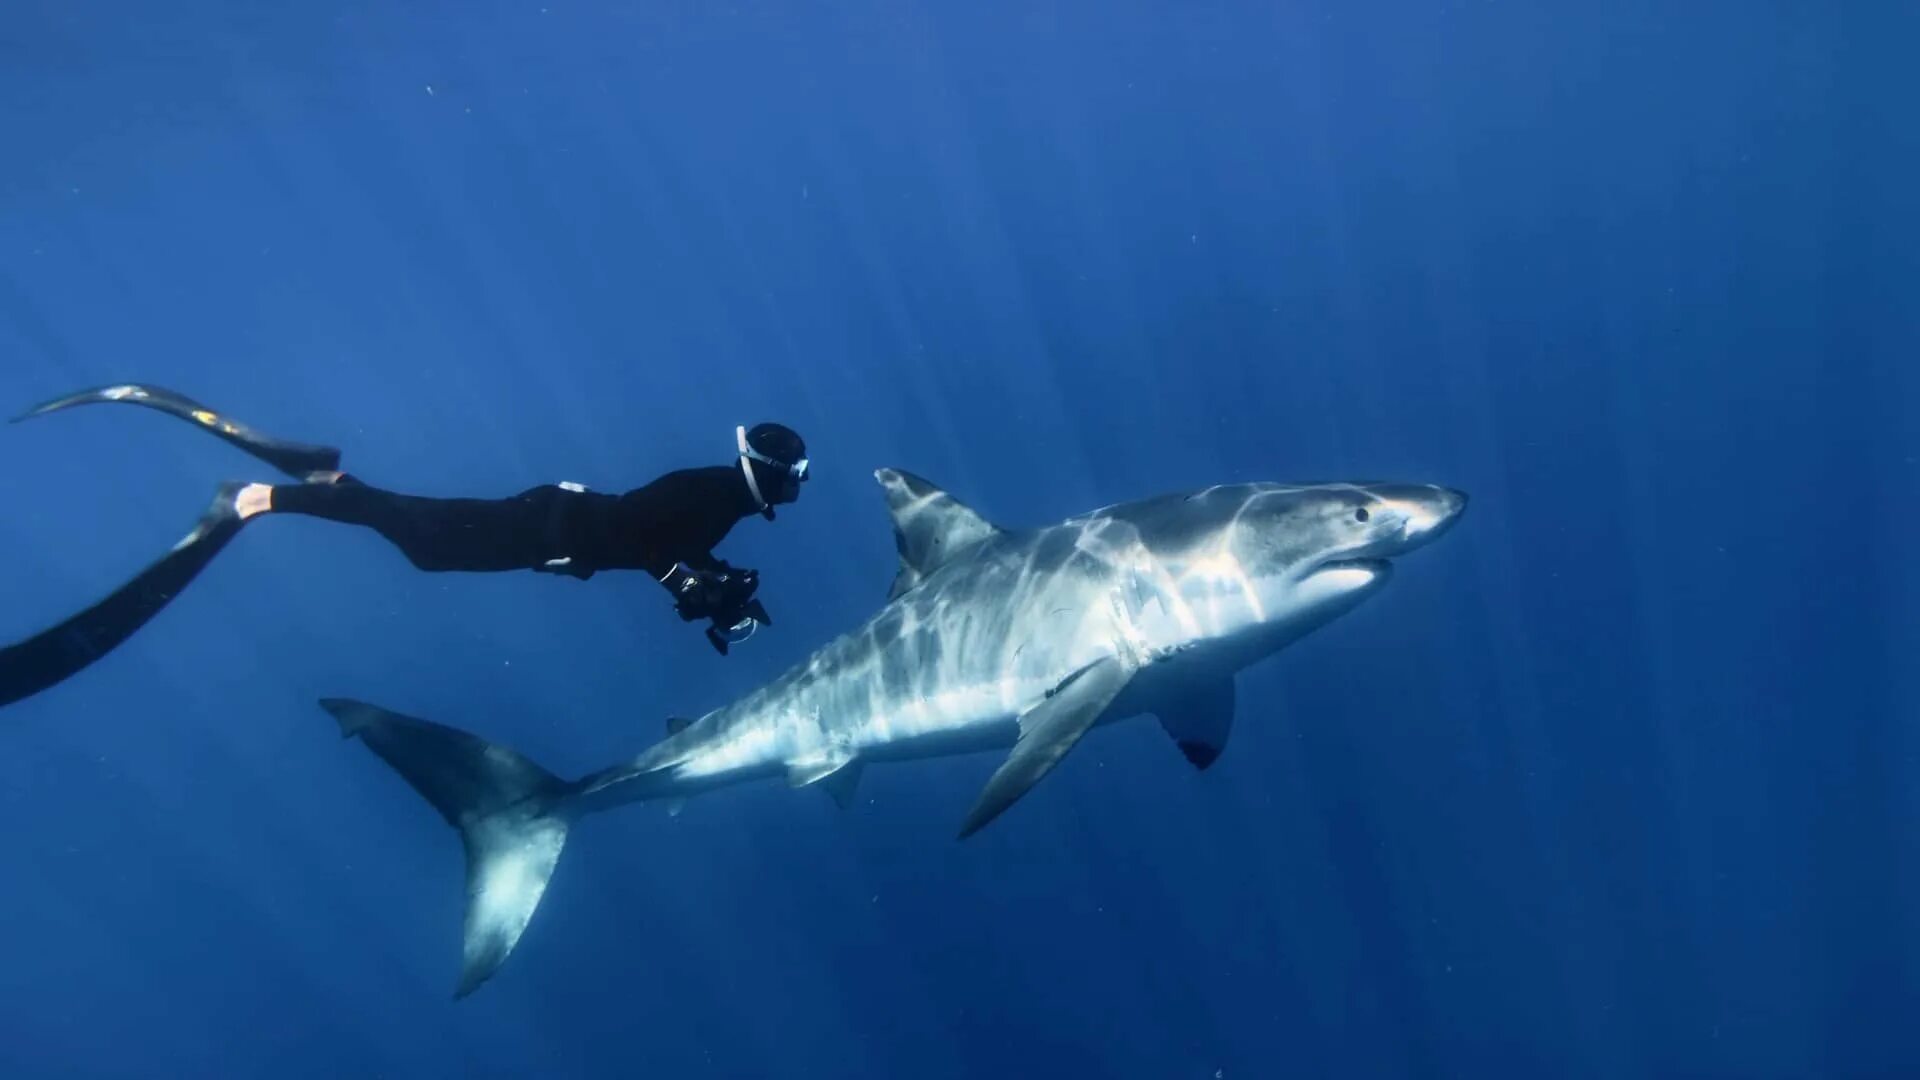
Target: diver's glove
723,596
707,594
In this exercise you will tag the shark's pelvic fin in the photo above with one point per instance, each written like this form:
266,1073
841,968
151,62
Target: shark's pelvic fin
929,526
1198,716
840,784
506,808
1047,732
812,770
836,773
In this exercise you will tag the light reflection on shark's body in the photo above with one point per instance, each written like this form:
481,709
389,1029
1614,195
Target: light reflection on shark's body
991,639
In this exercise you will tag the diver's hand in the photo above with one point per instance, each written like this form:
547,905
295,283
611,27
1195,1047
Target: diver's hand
695,593
701,594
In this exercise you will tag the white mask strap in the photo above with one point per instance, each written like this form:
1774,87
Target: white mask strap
746,467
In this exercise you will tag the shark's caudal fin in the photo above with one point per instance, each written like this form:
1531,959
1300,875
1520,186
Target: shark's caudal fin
509,812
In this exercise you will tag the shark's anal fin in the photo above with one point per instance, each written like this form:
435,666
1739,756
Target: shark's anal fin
509,812
1198,716
929,526
1047,732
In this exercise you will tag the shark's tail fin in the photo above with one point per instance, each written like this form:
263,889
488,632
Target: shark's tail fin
510,812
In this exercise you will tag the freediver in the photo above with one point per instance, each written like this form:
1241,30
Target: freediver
668,528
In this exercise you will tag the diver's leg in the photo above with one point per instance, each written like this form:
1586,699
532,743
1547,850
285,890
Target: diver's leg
434,534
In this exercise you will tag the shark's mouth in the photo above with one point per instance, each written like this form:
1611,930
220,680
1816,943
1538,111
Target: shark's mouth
1348,575
1373,565
1370,566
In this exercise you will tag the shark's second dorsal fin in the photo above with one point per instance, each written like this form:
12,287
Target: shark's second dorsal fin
929,526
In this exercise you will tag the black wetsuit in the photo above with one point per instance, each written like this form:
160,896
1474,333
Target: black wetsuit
680,517
677,518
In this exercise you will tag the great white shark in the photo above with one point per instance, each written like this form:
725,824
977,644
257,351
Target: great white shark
992,639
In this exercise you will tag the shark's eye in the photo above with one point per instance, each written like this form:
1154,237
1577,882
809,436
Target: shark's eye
1361,514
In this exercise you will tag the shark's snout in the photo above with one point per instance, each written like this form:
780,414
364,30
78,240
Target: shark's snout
1422,511
1439,511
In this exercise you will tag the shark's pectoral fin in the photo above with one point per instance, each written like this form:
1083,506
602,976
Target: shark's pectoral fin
1047,732
838,774
1198,716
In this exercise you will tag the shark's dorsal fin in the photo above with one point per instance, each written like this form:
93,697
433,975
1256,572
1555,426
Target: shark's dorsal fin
929,526
677,724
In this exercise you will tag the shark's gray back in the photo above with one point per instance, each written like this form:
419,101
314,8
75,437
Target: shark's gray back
983,622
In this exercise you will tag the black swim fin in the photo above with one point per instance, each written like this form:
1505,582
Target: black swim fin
295,459
54,654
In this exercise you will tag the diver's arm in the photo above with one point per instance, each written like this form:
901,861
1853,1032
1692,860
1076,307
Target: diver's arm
709,562
669,523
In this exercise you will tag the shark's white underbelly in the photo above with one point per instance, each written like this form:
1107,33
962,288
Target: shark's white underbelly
979,715
917,701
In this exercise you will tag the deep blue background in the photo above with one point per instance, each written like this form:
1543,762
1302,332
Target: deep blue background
1617,780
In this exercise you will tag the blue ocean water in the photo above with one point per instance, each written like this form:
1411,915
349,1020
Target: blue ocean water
1616,780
